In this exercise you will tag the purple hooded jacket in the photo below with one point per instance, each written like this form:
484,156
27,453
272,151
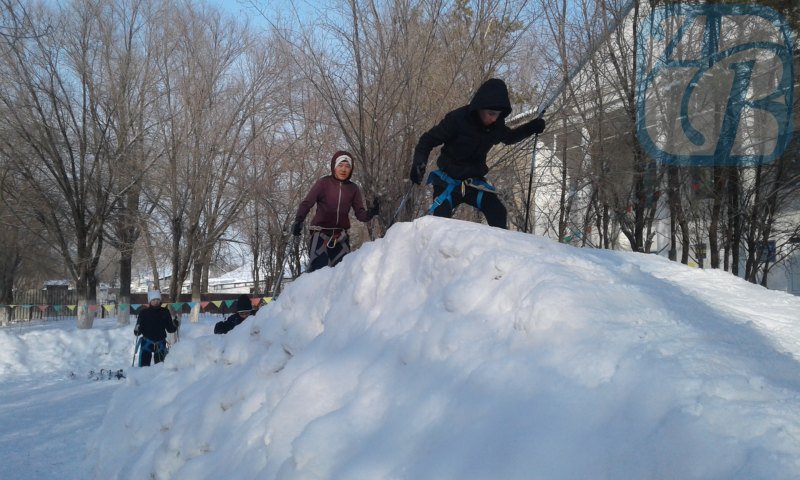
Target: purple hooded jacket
334,199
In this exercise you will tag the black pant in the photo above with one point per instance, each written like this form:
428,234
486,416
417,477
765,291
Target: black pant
491,206
150,350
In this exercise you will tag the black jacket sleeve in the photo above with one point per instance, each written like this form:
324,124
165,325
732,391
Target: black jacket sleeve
520,133
221,327
445,130
228,324
169,324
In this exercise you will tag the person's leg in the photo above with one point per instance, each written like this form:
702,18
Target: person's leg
339,250
317,252
446,206
145,353
159,351
491,206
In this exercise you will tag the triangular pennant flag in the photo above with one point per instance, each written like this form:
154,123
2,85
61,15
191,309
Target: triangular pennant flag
123,306
71,307
92,308
43,308
267,299
204,304
136,306
255,301
191,304
228,303
57,308
109,307
177,306
217,303
13,306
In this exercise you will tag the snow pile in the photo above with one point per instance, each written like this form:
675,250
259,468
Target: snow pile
454,350
51,349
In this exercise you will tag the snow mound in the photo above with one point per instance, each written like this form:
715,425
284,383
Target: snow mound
50,349
451,350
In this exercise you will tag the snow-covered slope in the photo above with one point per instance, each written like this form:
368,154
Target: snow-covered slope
451,350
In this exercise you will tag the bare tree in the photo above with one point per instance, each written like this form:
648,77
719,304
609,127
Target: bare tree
131,87
216,79
58,133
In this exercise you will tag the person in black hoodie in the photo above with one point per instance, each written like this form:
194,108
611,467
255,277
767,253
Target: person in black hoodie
152,324
243,310
467,134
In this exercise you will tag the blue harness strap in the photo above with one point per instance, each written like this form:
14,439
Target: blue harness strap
156,348
452,183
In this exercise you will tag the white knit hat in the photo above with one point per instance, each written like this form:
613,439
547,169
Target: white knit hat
153,295
342,158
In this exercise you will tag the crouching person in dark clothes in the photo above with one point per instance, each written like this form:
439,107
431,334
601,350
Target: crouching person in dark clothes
334,195
467,134
153,324
243,310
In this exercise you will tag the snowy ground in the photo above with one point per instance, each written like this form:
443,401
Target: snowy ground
52,396
446,350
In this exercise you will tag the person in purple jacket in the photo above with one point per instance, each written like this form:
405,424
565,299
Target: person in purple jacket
334,195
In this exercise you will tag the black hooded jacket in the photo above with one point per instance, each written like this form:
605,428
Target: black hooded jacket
154,323
242,305
466,140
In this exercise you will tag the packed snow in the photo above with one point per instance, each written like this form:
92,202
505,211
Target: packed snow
445,350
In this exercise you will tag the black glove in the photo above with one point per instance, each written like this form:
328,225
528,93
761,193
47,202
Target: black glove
375,209
136,330
537,125
297,228
176,321
417,171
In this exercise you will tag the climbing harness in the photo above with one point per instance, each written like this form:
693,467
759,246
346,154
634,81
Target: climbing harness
438,176
159,349
331,237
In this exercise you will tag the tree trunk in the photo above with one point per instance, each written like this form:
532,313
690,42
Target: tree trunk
124,297
734,219
716,216
197,277
85,315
